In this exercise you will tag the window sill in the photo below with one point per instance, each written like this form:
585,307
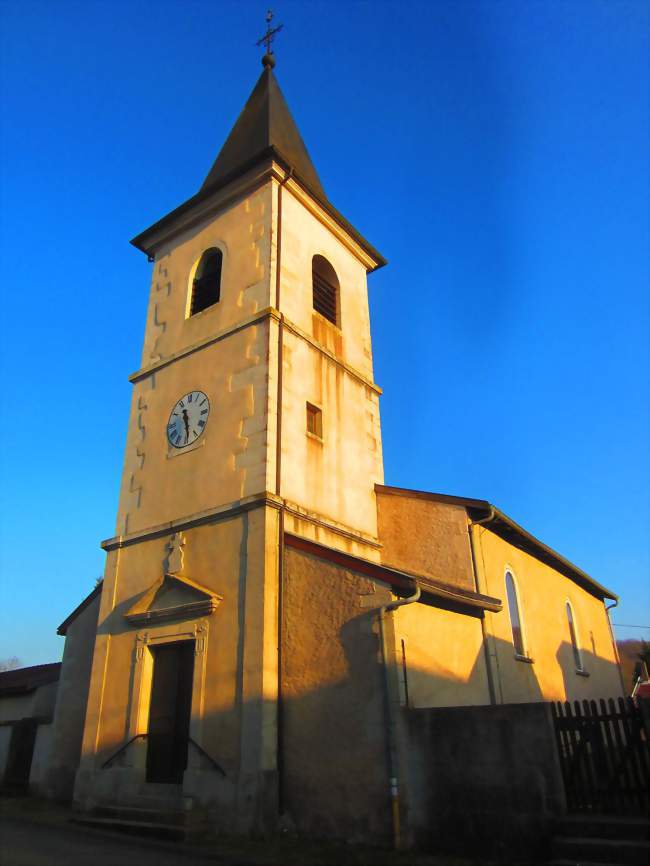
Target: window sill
526,659
314,437
209,309
581,673
329,322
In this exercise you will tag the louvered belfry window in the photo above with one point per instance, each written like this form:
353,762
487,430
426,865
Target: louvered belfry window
206,289
326,289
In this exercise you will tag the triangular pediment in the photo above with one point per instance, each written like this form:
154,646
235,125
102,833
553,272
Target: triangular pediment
173,597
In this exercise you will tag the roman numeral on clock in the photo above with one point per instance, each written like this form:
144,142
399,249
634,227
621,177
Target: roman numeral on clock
187,419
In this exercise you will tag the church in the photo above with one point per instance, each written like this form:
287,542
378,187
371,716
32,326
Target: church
271,611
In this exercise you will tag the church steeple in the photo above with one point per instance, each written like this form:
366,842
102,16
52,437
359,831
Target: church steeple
265,139
264,128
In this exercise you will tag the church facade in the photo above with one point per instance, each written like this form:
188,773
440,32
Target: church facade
270,609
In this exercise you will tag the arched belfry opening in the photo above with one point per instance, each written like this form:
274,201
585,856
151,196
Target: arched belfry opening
326,289
206,286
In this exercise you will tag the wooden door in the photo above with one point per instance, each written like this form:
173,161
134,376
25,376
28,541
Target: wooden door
21,752
169,714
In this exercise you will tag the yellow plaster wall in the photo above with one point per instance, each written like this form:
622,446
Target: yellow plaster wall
334,740
425,537
331,535
227,557
161,483
443,650
543,593
243,231
230,461
334,478
303,237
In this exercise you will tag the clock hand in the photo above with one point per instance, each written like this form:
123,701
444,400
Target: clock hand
186,420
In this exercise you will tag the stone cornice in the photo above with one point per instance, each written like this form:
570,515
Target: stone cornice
355,535
322,215
202,344
142,611
204,205
210,515
263,315
356,374
200,208
230,510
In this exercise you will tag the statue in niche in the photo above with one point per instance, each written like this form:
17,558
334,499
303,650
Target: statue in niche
174,563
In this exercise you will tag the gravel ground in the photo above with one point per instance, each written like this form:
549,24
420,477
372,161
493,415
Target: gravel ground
39,833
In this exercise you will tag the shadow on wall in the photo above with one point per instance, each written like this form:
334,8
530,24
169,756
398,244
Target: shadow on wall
588,676
487,779
481,772
551,676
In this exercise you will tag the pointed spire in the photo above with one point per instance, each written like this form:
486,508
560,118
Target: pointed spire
264,126
265,130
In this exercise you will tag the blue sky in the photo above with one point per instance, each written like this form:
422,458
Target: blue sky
495,152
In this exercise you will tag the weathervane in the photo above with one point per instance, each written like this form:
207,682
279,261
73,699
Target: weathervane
268,61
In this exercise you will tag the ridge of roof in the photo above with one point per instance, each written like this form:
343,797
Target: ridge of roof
505,527
264,122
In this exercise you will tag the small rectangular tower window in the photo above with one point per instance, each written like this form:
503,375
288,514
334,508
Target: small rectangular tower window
314,421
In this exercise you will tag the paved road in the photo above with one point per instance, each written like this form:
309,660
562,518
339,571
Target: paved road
28,843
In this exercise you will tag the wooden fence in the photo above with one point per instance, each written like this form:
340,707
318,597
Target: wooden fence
605,756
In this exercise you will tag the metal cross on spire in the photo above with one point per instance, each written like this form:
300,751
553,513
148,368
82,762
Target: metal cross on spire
268,60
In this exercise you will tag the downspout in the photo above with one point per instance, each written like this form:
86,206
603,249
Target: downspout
278,482
486,648
391,722
609,607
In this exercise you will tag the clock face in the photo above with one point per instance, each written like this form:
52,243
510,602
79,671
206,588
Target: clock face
188,419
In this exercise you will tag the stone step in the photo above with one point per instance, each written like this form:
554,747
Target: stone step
174,832
579,863
161,815
603,827
581,849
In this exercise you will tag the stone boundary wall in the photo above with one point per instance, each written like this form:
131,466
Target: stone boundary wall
484,779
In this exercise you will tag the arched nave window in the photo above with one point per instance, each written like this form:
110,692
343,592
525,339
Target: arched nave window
515,615
577,655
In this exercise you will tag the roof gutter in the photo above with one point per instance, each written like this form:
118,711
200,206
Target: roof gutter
479,588
580,576
491,515
609,607
531,545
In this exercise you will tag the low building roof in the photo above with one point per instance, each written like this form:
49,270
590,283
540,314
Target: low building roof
503,526
401,582
24,680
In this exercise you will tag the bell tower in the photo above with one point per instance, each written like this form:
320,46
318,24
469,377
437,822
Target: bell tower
254,413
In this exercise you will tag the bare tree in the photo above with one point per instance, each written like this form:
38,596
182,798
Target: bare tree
10,664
